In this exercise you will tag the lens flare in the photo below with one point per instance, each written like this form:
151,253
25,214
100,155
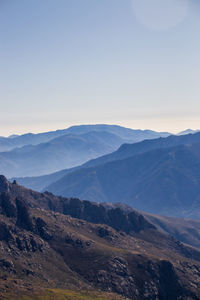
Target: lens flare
160,14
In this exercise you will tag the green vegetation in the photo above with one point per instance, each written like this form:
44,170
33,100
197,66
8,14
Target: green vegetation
57,294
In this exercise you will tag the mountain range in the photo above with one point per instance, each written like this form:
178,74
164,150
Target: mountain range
40,154
188,131
158,176
15,141
67,150
63,248
162,181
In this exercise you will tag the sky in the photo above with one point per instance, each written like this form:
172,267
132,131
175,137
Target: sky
134,63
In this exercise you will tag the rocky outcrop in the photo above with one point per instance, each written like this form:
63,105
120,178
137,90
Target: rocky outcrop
13,204
41,228
24,219
4,184
7,205
117,218
5,232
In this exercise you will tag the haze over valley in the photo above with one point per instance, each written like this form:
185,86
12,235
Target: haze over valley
158,175
99,150
139,189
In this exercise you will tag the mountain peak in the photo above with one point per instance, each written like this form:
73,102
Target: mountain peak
188,131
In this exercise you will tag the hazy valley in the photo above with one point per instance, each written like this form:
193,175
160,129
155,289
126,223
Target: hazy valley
99,150
159,176
40,154
104,247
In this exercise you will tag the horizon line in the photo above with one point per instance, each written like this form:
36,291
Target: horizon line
35,132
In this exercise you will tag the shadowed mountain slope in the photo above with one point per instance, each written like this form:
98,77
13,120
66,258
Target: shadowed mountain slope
125,151
162,181
129,150
185,230
46,249
102,212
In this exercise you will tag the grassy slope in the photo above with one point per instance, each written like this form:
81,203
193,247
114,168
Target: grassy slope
57,294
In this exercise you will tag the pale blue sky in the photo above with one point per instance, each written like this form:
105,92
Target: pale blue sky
129,62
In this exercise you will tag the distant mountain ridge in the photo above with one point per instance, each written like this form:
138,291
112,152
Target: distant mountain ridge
188,131
53,151
160,176
125,151
14,141
67,150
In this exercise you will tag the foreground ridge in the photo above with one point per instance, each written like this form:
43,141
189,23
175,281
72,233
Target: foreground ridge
69,244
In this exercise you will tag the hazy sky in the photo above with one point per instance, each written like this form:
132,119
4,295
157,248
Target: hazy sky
129,62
